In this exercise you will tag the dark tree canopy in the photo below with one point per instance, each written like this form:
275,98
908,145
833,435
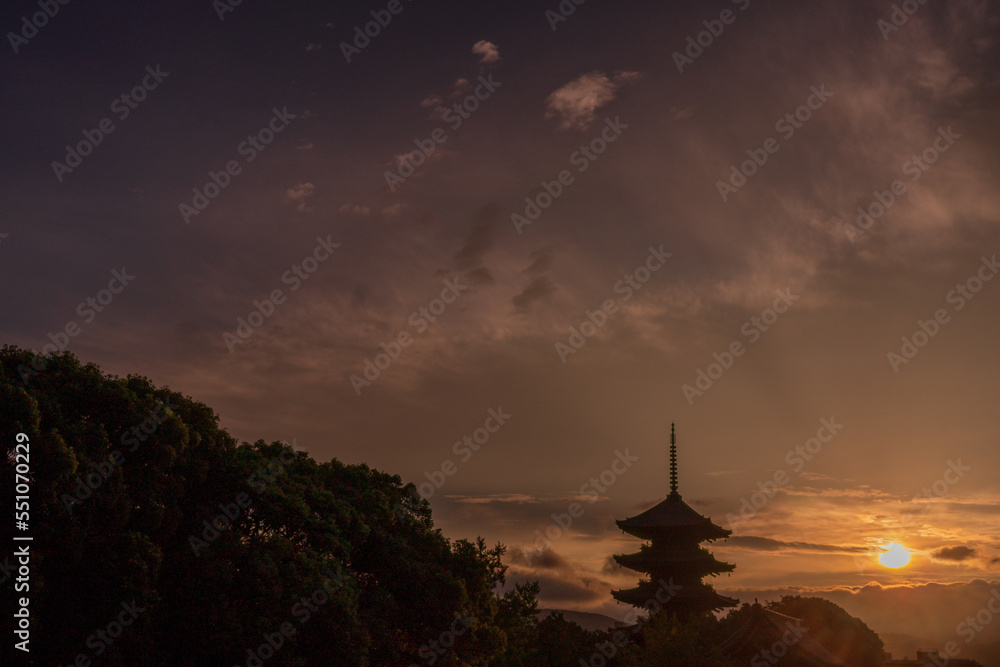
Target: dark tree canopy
139,498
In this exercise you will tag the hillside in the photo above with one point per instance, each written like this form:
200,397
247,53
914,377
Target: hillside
585,620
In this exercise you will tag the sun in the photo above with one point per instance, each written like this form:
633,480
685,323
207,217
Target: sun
895,555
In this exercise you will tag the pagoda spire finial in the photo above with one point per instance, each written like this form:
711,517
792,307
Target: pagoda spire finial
673,462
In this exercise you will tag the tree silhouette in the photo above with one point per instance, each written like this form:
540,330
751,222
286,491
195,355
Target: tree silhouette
139,497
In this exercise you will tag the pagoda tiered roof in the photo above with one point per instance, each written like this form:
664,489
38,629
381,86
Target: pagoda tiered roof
673,518
765,626
691,597
684,561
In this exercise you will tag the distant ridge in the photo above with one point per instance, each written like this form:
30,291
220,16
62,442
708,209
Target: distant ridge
586,620
905,646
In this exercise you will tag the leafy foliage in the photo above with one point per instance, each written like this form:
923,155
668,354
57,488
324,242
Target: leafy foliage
221,544
668,641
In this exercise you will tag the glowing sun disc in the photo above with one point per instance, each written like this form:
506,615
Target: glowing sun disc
895,555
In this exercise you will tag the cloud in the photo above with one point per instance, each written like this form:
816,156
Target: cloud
479,240
308,146
461,87
546,559
542,260
487,52
681,113
767,544
359,297
561,589
431,102
575,104
392,211
416,158
537,289
611,566
481,277
540,285
497,498
299,194
355,209
815,476
958,554
559,581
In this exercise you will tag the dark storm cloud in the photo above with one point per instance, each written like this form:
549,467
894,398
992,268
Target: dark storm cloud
555,589
957,553
359,297
536,290
481,277
768,544
559,581
540,285
479,241
541,261
546,559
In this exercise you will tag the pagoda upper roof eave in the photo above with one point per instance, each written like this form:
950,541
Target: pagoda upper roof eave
695,534
672,515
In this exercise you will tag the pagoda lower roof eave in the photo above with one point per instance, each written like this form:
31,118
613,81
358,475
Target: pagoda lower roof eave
688,598
648,562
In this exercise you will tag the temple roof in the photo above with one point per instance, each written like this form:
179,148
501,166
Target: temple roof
694,598
681,560
766,625
672,515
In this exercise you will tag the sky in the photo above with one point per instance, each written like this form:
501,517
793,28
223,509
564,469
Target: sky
497,248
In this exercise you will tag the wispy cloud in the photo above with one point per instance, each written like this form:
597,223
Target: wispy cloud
487,52
536,290
300,195
497,498
768,544
575,104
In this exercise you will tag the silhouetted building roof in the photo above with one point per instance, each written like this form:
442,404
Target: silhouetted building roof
925,658
673,516
779,634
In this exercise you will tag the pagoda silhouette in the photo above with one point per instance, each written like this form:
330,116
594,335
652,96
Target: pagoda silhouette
674,559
